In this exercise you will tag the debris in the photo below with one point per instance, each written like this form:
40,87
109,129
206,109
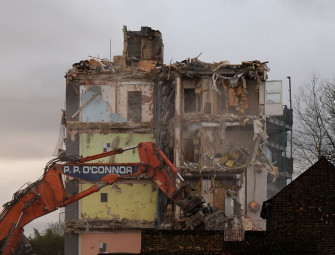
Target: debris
221,104
214,78
196,58
147,65
168,77
248,224
95,63
224,159
198,90
230,163
245,121
275,173
254,206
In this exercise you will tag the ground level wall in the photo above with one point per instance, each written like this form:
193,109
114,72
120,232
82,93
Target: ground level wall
128,241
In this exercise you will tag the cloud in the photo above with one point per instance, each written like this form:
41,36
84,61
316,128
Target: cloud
16,174
29,126
40,40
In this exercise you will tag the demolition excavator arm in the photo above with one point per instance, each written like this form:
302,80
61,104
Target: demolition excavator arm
48,193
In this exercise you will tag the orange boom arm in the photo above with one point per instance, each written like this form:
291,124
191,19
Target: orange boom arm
48,193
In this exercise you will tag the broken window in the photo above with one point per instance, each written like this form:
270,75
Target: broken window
189,100
102,247
134,47
135,106
273,98
103,197
107,147
192,96
188,150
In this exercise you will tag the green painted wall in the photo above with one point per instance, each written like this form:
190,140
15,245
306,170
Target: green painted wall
94,143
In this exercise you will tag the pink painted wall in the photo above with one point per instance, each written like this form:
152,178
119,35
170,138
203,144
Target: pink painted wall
127,241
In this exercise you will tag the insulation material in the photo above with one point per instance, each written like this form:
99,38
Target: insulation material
237,96
131,201
125,241
230,163
92,144
232,98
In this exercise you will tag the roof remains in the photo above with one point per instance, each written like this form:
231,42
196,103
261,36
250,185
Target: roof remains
143,53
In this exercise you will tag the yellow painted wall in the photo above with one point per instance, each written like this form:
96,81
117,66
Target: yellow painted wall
93,144
133,201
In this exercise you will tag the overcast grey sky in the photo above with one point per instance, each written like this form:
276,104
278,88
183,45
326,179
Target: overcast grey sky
40,40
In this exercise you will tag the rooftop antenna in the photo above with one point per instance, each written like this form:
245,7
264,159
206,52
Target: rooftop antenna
289,84
110,50
291,140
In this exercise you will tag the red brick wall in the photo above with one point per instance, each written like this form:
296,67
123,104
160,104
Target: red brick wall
305,210
187,242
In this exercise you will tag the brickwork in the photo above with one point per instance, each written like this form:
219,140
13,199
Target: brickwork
304,211
188,242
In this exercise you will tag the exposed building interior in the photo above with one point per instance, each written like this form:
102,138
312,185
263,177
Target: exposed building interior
212,120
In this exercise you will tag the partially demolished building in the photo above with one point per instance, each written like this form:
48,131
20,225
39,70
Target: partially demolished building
208,118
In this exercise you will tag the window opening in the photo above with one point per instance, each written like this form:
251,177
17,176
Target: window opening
189,100
135,106
103,197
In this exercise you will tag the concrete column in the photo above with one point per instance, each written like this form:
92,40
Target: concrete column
177,129
178,112
256,192
242,195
